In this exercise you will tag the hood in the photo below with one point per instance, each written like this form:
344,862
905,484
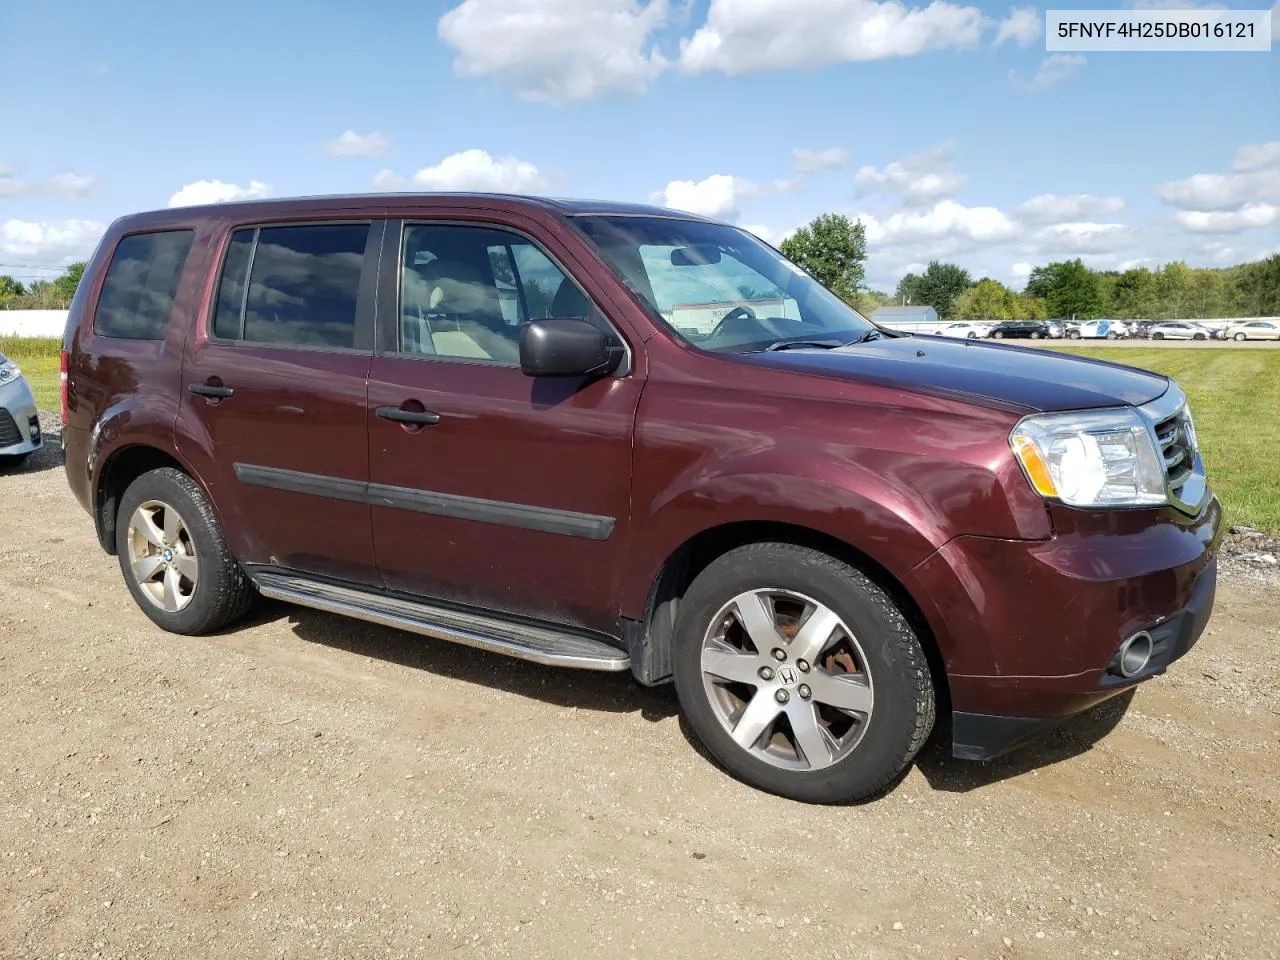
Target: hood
998,375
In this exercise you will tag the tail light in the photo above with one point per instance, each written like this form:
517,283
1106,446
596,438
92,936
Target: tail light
62,378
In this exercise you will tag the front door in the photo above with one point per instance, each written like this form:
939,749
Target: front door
491,488
275,396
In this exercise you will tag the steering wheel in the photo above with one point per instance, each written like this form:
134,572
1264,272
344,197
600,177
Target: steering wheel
734,314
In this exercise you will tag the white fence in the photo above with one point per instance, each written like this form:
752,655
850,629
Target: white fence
32,323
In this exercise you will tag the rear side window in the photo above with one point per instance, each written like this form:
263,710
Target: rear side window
292,285
138,290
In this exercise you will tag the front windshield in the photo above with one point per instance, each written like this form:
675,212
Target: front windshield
719,287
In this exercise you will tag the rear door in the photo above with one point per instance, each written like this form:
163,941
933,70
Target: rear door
492,488
275,394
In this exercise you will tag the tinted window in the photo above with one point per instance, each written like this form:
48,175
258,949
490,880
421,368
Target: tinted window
465,291
303,285
138,290
226,319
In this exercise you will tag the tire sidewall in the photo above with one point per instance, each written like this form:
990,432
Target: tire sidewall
885,747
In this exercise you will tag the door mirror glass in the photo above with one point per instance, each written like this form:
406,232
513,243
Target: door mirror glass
567,347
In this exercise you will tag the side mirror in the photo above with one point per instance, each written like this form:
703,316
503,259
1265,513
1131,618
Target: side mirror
567,347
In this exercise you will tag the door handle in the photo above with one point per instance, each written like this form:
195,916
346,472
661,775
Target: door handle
208,390
420,417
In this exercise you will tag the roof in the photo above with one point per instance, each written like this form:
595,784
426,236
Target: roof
374,202
904,312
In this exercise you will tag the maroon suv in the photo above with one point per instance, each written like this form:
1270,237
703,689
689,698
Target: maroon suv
615,437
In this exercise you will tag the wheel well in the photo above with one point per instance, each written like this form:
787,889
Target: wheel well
696,554
124,467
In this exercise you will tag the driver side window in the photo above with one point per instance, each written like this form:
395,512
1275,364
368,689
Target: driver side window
465,292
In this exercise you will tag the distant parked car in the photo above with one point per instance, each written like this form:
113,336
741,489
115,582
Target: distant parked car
1098,330
19,424
1254,330
969,331
1035,329
1177,330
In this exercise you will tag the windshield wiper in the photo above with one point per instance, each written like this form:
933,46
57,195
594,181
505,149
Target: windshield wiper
872,334
792,344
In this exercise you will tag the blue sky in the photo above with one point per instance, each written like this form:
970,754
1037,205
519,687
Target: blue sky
944,125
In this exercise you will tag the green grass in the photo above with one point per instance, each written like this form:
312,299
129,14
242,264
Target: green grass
1235,399
1235,396
38,357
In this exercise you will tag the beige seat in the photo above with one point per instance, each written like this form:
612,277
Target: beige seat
465,315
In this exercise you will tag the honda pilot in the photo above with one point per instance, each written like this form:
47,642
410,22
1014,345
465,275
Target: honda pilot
613,437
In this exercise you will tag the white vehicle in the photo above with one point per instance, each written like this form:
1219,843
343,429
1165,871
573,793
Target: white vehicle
1098,330
1177,330
970,331
1254,330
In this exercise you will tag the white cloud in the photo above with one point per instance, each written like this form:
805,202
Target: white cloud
945,220
47,243
557,51
469,170
1248,217
64,186
719,196
352,144
919,179
1255,177
1052,71
1080,237
1022,26
1021,270
215,191
747,36
816,161
1052,207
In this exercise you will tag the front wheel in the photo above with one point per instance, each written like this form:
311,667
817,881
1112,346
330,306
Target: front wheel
1238,336
800,675
174,558
1157,336
1073,335
1035,336
998,335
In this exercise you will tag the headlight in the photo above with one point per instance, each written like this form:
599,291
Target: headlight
9,371
1104,458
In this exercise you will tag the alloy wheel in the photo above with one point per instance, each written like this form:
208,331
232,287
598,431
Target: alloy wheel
162,556
787,679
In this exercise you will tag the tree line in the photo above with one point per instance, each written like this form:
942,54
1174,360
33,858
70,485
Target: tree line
833,249
52,294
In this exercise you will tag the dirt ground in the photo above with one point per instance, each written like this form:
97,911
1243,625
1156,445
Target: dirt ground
310,786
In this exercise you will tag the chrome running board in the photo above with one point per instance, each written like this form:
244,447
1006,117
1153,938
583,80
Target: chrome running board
545,645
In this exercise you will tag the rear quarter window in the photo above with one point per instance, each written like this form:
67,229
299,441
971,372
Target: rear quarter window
139,287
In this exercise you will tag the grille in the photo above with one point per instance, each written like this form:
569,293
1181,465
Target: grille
1177,446
9,433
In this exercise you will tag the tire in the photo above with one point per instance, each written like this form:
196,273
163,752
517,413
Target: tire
971,335
998,335
1238,336
1035,336
207,595
1199,336
1073,335
855,758
1157,336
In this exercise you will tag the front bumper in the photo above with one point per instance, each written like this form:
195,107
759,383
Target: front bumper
19,421
1029,629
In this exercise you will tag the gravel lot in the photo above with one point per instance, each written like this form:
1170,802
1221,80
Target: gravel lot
309,786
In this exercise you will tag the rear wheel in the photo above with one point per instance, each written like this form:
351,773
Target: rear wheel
1035,335
1238,336
1199,336
174,558
999,334
800,675
1157,336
